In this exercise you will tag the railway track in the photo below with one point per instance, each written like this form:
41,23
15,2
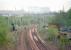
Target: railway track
38,42
35,42
29,40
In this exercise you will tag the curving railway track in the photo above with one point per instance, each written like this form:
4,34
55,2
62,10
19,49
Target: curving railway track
29,40
35,40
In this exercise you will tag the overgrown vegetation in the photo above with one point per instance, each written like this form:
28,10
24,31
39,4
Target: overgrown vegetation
4,31
63,19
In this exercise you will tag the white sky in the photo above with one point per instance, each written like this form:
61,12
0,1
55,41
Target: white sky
53,5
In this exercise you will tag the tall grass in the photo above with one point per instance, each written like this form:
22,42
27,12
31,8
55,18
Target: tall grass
4,29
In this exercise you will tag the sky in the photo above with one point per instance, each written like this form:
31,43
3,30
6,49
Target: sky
53,5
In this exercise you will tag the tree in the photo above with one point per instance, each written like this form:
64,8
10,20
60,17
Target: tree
63,18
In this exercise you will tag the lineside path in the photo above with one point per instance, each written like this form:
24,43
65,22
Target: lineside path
21,40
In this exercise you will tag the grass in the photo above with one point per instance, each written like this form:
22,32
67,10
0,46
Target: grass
4,31
52,32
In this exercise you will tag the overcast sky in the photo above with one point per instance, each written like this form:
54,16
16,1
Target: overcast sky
53,5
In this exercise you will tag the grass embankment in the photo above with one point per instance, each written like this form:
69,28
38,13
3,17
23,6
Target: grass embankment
3,31
5,34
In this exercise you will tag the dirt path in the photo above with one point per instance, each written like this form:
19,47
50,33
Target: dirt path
21,41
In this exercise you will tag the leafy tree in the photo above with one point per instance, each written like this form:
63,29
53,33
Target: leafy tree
62,18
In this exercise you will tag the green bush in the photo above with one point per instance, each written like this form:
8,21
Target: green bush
52,33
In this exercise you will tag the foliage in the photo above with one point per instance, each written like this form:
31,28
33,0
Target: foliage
52,33
62,18
4,29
